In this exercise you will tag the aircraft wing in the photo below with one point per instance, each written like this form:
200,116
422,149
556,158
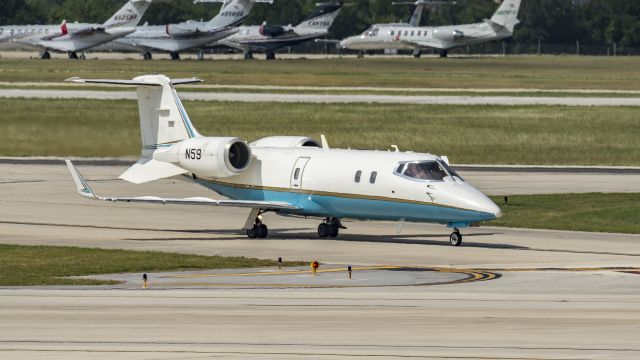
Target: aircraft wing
84,190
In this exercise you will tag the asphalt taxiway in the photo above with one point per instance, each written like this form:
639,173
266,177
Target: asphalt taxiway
505,294
329,98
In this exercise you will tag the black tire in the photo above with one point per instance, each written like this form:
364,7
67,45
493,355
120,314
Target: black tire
333,230
174,55
46,56
253,232
270,55
455,238
323,230
147,56
263,231
248,55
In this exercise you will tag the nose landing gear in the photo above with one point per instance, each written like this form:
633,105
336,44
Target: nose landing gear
330,227
455,238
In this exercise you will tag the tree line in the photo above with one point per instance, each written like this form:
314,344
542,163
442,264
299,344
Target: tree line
596,22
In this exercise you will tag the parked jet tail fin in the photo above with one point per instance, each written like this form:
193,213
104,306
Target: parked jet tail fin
163,119
321,18
129,15
233,12
507,14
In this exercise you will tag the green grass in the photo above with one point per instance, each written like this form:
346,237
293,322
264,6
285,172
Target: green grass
599,212
544,135
546,72
51,265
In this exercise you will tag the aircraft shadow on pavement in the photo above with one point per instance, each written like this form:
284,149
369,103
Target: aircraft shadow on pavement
301,234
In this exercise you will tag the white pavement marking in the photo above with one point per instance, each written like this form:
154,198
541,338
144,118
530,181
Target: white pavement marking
322,98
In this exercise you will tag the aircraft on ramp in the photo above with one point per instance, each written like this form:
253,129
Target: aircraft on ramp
406,37
72,38
291,175
269,38
175,38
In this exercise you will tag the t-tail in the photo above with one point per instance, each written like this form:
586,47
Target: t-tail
129,15
507,15
321,18
163,123
233,12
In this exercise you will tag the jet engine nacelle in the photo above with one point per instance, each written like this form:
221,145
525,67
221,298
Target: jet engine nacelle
286,142
183,29
215,157
448,35
272,30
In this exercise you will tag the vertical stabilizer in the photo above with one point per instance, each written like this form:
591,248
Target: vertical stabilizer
129,15
416,15
163,119
321,18
507,14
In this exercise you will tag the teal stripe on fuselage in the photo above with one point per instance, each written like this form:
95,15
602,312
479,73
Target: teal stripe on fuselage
350,207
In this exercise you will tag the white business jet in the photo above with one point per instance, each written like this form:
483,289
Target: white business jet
407,37
291,175
72,38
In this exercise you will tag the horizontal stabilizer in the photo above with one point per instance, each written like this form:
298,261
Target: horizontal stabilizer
148,170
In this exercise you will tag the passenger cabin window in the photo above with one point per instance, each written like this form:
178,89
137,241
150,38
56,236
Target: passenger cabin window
390,33
296,174
427,170
419,33
372,178
358,175
406,33
411,33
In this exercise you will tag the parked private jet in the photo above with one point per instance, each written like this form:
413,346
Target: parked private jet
406,37
72,38
268,38
175,38
291,175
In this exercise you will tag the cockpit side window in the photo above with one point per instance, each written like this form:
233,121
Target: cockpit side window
426,170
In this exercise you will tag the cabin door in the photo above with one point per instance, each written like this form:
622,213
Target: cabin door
296,173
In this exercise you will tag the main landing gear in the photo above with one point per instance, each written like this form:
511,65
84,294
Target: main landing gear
174,55
259,230
444,53
270,55
45,55
330,227
455,238
248,55
147,55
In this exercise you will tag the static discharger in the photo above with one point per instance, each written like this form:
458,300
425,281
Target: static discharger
145,283
314,266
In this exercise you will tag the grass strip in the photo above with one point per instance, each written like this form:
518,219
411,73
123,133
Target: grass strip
536,135
594,212
51,265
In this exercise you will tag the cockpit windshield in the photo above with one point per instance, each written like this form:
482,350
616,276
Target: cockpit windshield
426,170
450,170
372,31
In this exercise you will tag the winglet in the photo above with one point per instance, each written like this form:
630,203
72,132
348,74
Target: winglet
81,185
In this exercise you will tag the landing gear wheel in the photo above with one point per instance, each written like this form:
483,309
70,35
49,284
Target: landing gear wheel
248,55
174,55
262,230
444,53
417,53
360,54
147,55
253,233
83,56
73,55
270,55
324,230
455,238
45,56
333,230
